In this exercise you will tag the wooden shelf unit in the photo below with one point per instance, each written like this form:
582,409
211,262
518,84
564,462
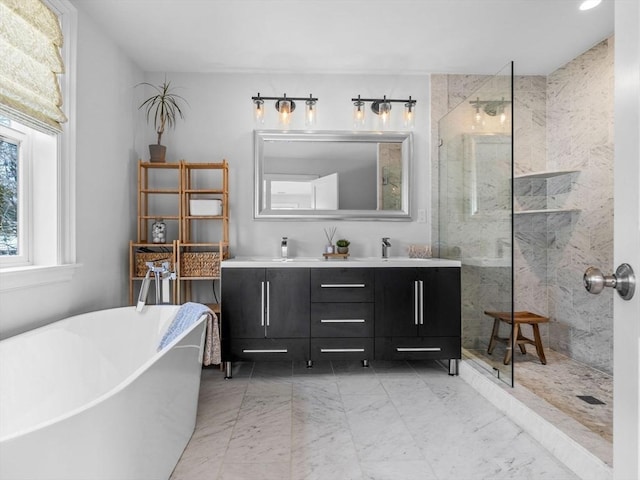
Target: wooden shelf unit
188,253
145,194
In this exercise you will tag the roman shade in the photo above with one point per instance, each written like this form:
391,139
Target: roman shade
30,41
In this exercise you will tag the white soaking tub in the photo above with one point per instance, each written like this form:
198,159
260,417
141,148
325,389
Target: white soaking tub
90,397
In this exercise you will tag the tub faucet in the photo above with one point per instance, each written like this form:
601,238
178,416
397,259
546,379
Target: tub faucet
285,247
162,274
385,247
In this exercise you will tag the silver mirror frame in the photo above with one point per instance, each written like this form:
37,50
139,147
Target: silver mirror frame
404,138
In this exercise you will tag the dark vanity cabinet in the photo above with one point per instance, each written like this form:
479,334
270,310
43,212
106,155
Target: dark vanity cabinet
342,314
265,314
357,312
417,313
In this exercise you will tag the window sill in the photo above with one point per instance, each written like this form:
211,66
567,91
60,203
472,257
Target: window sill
32,276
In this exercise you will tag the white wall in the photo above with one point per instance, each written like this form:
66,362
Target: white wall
105,191
219,124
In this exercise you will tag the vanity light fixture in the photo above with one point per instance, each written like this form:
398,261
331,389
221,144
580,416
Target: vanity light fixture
382,108
491,108
285,107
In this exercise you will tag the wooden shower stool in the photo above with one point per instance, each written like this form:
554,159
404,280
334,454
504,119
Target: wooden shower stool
518,319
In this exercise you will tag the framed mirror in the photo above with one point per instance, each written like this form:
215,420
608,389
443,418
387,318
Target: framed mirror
332,175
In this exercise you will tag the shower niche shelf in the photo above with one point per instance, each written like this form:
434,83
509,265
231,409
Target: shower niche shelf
546,211
544,175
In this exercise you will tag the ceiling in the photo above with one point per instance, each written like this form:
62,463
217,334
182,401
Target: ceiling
351,36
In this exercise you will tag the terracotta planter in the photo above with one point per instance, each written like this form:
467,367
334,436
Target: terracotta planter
157,153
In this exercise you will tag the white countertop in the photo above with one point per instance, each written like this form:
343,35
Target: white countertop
319,262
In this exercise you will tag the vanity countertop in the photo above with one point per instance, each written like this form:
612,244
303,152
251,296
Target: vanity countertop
352,262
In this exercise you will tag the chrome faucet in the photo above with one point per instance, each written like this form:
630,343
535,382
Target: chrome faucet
160,274
385,247
285,247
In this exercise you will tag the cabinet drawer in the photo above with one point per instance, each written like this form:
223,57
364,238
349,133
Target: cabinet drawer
342,285
417,348
341,349
342,319
265,349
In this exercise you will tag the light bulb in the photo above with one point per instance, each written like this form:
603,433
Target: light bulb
477,117
384,110
358,113
409,115
285,107
258,111
310,113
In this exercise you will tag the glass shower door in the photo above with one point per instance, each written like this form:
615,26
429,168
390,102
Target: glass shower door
475,217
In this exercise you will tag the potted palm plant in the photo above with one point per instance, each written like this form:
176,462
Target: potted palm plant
164,107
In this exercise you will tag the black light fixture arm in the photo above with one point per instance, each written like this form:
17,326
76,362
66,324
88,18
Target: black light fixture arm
385,99
284,97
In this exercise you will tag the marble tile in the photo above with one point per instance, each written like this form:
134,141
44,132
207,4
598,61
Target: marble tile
262,432
360,384
379,432
420,423
324,471
398,470
253,471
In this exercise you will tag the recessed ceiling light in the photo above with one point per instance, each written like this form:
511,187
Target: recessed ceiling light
589,4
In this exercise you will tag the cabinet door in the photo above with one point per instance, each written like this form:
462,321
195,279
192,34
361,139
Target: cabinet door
289,302
242,300
396,302
441,310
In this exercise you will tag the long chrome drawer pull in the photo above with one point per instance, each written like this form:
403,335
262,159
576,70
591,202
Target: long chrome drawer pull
342,285
415,302
340,350
275,350
262,305
268,307
418,349
342,320
421,301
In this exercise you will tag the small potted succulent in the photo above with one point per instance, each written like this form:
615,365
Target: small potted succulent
165,109
343,245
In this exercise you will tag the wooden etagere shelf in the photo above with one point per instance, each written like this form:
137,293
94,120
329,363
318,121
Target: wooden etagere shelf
195,244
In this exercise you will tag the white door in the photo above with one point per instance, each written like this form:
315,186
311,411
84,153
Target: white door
326,192
626,314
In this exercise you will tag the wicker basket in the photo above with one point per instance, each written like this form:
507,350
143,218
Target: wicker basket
200,264
156,257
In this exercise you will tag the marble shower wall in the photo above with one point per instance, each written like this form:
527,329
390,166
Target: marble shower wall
562,122
580,137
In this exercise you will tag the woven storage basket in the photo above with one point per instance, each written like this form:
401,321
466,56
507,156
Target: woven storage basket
200,264
156,257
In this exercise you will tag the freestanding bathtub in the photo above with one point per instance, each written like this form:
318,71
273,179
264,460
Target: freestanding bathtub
90,397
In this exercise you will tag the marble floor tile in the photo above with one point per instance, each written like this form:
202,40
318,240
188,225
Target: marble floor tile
418,469
254,471
360,384
378,430
394,420
553,391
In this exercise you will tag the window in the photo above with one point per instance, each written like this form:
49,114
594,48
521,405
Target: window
13,189
39,169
